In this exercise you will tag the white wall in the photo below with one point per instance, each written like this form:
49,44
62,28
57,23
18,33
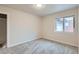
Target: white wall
78,21
21,27
78,30
63,37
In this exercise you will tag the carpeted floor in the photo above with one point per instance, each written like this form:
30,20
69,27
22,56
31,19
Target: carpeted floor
40,46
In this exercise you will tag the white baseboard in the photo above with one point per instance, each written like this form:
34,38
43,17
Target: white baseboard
61,42
15,44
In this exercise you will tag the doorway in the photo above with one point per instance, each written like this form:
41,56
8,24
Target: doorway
3,30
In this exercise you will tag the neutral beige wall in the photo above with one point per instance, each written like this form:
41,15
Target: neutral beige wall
21,26
49,29
78,30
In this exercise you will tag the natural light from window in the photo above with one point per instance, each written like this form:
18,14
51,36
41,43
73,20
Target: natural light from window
65,24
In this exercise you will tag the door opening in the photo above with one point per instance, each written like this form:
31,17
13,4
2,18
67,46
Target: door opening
3,30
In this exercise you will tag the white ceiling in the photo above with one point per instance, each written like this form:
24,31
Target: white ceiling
48,9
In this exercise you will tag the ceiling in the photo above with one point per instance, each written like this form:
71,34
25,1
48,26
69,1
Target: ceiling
48,8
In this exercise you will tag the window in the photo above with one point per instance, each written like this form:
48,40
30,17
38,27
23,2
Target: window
59,24
65,24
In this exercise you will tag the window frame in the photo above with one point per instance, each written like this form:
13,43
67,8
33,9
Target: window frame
64,23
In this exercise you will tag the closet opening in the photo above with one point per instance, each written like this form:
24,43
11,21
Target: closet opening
3,30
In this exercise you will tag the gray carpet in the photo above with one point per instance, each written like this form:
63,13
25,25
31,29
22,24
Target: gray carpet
40,46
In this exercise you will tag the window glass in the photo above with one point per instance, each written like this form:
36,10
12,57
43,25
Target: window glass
59,24
68,24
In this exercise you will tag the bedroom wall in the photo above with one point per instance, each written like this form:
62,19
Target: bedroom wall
21,26
78,30
78,25
63,37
